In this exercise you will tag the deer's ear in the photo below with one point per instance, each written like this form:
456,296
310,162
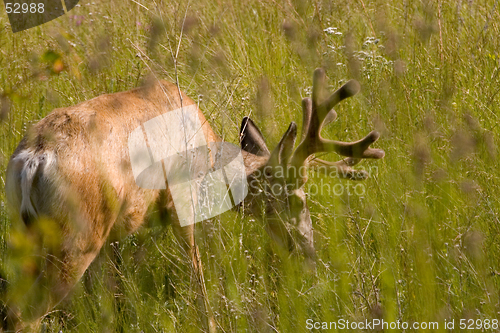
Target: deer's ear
251,139
282,153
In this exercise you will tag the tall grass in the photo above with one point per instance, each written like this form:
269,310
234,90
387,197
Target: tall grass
421,244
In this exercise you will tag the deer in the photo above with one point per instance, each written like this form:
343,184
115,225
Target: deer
72,171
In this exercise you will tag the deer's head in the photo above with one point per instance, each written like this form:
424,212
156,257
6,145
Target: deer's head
276,179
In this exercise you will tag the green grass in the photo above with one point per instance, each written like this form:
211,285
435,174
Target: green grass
420,245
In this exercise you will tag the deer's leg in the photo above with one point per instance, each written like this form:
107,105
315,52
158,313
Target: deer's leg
60,267
185,237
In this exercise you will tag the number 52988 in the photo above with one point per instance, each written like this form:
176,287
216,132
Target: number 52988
24,8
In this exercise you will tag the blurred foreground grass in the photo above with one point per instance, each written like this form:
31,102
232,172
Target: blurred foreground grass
422,241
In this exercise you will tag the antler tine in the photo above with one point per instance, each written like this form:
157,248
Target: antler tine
356,149
314,114
318,87
342,168
316,111
306,117
321,106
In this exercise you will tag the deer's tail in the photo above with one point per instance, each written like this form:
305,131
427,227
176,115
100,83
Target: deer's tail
28,173
25,169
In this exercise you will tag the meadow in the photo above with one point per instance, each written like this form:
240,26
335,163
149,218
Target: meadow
419,242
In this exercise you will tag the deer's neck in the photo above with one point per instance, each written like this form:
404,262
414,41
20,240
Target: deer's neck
222,153
253,162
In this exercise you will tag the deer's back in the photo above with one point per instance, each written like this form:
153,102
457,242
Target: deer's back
78,161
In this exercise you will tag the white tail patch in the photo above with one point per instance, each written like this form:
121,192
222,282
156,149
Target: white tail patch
33,164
